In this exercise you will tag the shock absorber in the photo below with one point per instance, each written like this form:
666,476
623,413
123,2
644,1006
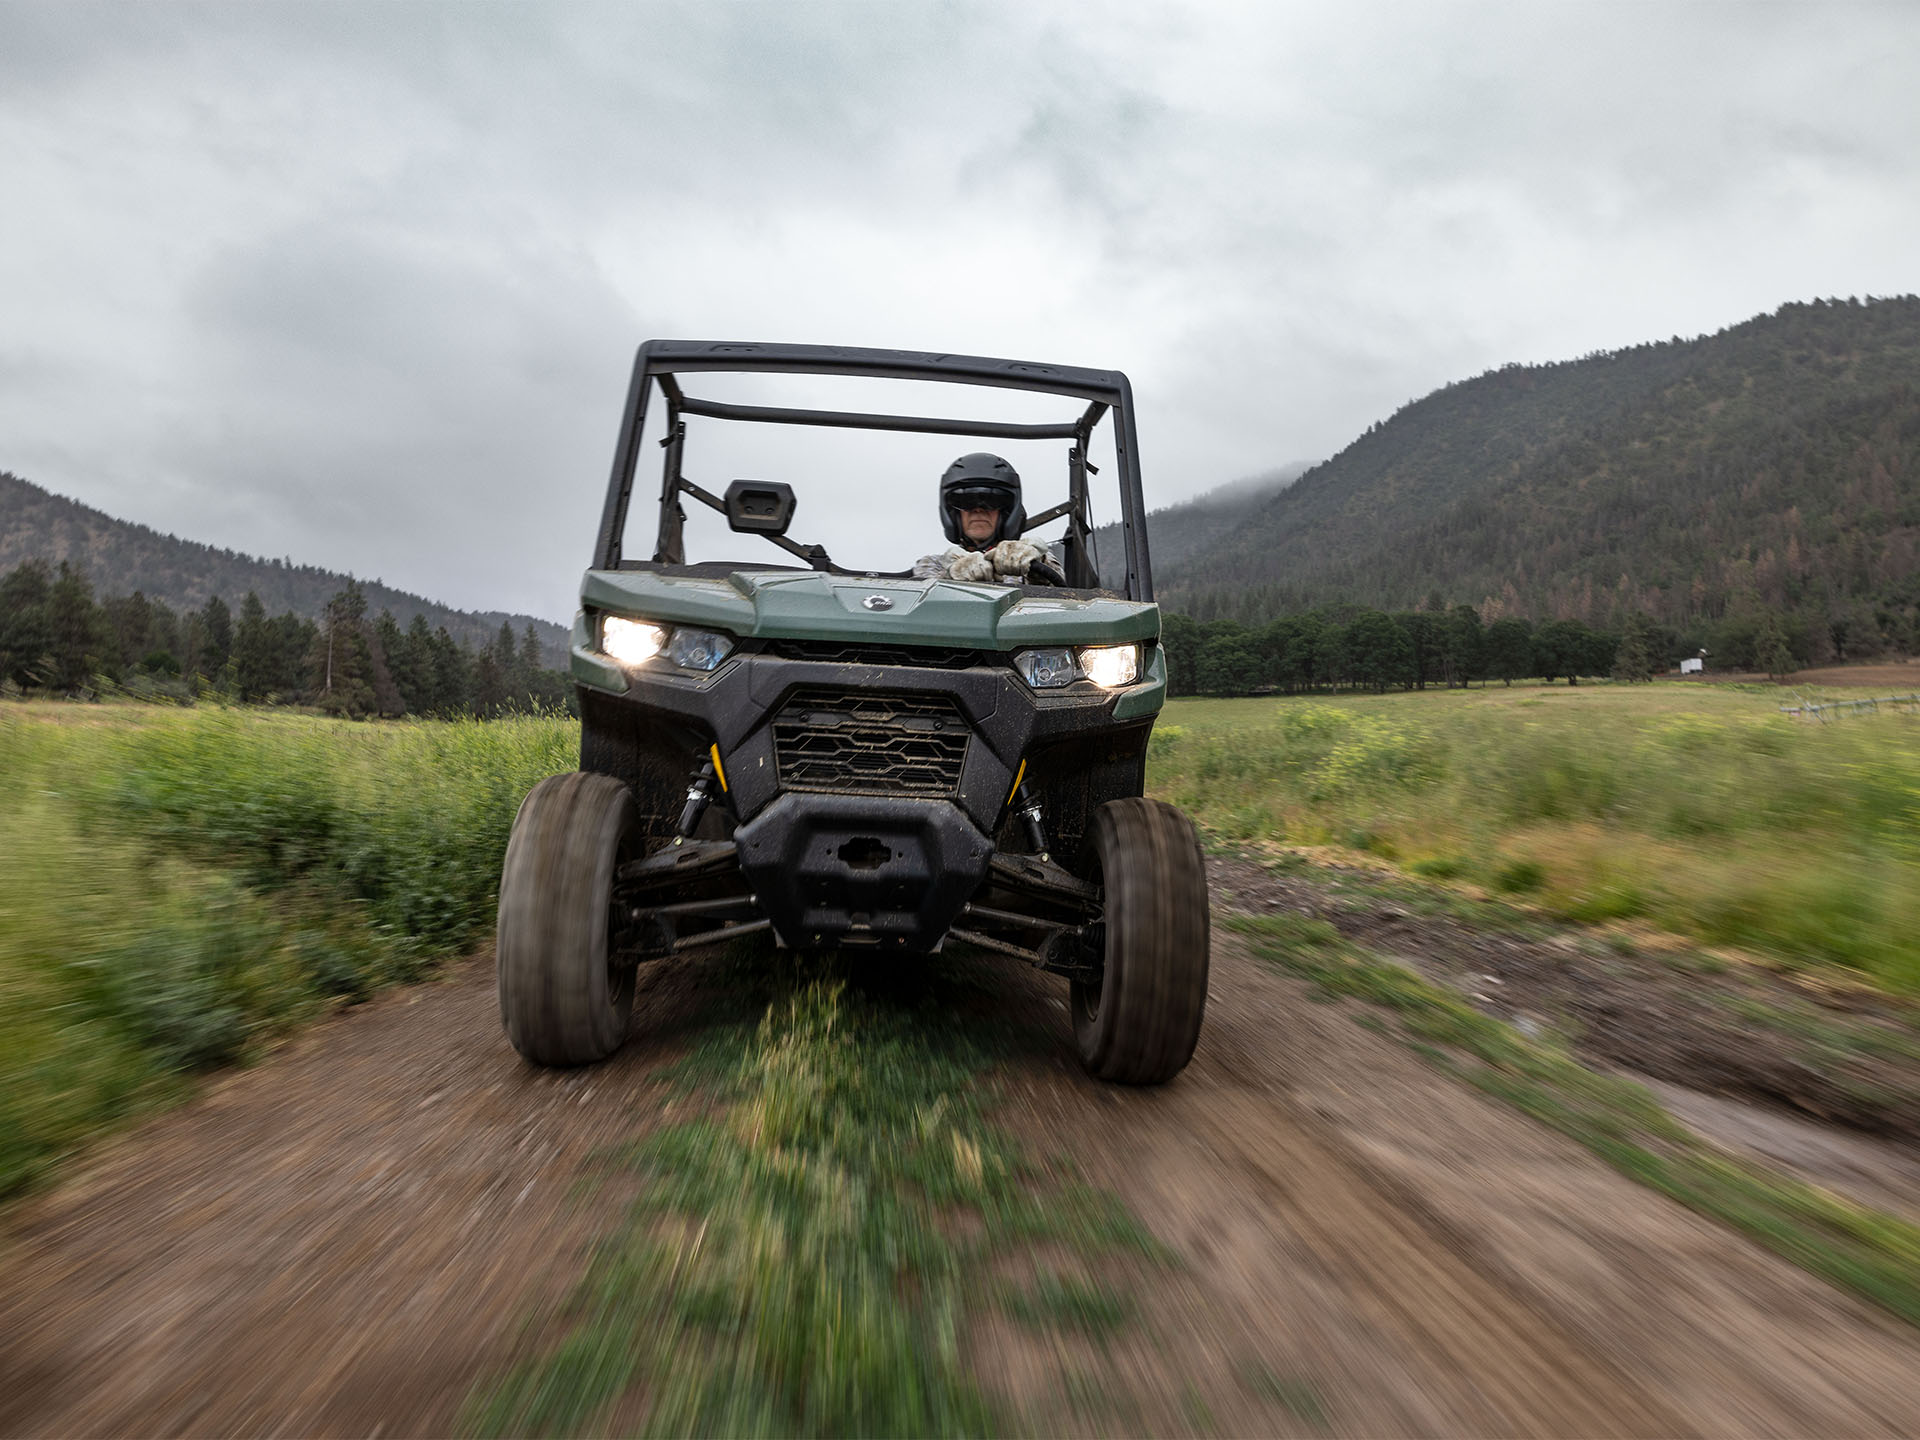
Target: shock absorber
1028,809
699,796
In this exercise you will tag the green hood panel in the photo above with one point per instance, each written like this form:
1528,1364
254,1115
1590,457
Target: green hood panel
818,606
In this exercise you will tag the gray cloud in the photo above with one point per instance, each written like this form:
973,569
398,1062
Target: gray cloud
360,282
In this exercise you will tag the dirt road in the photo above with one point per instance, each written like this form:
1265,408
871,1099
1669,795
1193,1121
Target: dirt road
347,1237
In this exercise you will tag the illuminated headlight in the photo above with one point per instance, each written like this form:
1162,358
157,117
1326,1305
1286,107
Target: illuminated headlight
631,642
1110,666
1047,669
697,649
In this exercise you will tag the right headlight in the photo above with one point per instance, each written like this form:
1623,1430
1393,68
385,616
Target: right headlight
1108,666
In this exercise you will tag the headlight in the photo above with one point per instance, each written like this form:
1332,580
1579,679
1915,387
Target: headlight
1046,669
1110,666
631,642
634,642
692,649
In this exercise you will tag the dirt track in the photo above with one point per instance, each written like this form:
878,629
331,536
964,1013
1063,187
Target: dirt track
345,1238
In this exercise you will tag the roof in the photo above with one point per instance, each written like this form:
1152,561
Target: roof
680,357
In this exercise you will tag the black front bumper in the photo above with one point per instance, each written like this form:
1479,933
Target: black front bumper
864,801
861,869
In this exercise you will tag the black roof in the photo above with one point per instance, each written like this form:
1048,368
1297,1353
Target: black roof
679,357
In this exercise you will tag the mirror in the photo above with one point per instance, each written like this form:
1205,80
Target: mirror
759,507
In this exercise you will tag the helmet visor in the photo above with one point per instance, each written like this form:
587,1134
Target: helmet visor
980,497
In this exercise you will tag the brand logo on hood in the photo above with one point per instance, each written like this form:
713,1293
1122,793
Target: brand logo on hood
877,602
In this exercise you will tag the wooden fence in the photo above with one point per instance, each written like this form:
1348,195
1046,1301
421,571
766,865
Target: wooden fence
1836,709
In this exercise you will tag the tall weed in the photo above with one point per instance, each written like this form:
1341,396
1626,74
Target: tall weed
1706,811
176,884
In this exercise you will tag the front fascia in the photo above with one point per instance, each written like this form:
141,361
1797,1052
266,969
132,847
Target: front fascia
818,606
734,708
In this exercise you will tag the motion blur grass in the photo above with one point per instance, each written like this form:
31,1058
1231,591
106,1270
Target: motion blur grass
1872,1253
177,884
805,1257
1700,809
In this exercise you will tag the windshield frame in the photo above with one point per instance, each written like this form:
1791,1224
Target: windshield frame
659,363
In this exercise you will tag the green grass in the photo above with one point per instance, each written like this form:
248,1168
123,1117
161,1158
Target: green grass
1874,1254
806,1256
1298,1397
1085,1305
178,885
1699,809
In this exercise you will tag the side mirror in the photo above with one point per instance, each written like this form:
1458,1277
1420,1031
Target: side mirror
759,507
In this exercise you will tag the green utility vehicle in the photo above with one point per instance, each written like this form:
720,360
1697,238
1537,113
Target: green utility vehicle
844,758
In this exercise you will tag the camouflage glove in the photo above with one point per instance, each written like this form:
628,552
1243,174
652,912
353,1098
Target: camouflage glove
975,565
1012,557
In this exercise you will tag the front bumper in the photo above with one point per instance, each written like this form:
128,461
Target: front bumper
864,800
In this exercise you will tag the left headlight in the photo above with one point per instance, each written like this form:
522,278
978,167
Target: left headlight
631,642
634,642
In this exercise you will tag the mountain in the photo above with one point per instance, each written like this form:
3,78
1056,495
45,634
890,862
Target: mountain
120,557
1775,463
1178,531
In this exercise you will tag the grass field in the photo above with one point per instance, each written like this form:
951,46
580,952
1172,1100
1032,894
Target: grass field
177,885
815,1240
1699,809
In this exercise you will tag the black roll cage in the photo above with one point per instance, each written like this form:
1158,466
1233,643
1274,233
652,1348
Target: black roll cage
659,363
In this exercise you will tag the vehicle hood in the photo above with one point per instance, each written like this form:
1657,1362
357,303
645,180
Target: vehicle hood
820,606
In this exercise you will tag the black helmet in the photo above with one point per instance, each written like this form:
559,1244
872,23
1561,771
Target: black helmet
981,479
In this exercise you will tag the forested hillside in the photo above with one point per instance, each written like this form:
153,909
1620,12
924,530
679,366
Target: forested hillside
1181,530
1770,469
120,558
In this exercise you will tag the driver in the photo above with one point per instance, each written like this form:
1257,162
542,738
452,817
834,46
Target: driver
981,512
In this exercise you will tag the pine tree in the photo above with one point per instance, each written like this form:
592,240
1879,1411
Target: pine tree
129,622
386,694
340,663
26,625
1634,661
515,681
294,639
1464,641
489,684
253,655
452,676
218,622
78,631
1771,650
411,656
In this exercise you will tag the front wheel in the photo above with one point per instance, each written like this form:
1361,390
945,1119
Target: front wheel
1139,1023
565,999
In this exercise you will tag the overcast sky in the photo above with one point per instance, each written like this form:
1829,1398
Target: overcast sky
360,284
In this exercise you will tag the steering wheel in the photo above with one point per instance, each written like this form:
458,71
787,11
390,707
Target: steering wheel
1041,573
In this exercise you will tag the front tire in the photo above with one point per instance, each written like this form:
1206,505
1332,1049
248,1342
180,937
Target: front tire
1139,1023
564,999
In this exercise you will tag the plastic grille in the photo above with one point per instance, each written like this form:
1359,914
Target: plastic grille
860,743
837,653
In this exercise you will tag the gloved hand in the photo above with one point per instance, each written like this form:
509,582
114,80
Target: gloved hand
975,565
1012,557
